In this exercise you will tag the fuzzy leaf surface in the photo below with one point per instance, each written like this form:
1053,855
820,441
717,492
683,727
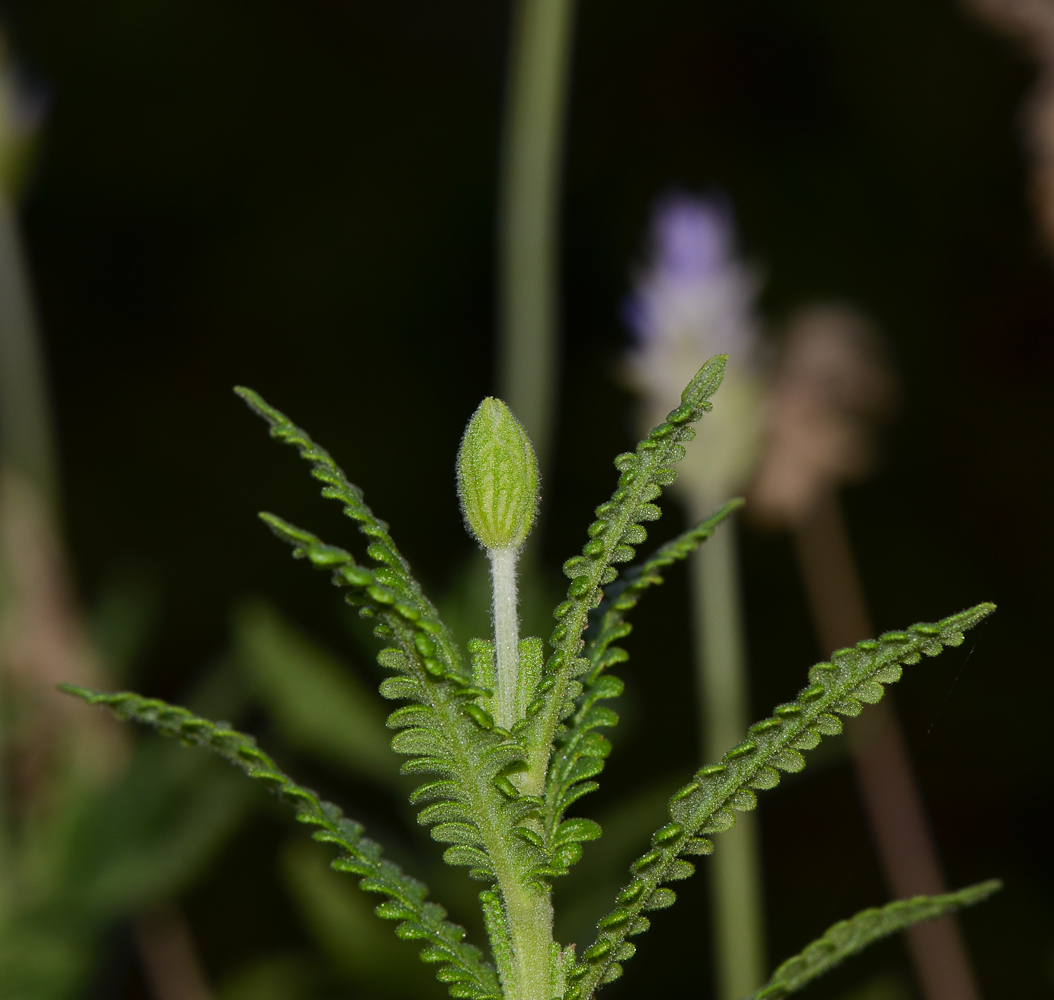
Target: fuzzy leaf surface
848,937
462,965
448,736
612,537
566,783
707,804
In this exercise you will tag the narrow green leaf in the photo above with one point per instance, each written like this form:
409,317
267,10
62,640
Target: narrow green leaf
705,805
359,855
566,782
850,936
461,742
337,486
643,473
498,933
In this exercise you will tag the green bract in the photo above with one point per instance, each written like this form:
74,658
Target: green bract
497,477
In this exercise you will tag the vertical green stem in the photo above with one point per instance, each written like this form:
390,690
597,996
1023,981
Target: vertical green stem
528,213
506,632
528,264
530,916
735,868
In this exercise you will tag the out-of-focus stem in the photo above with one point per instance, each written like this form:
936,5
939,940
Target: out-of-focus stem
528,213
890,794
6,868
170,960
27,446
735,869
29,475
27,442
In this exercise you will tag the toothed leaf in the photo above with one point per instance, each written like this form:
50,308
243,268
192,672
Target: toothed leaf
705,804
447,729
642,473
567,776
851,936
406,897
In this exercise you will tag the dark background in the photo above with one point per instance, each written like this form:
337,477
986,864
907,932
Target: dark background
299,196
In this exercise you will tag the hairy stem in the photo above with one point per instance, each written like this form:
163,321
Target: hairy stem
506,632
530,917
528,910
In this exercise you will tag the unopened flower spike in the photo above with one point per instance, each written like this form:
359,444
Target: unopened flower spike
497,480
497,477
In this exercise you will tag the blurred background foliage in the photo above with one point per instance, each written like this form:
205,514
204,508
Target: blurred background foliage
220,181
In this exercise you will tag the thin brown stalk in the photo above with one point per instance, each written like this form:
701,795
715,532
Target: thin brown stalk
170,961
885,778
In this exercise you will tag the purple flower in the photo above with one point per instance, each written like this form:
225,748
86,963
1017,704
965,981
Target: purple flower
696,298
695,287
692,238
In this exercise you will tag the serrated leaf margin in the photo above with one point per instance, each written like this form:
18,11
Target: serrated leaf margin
462,967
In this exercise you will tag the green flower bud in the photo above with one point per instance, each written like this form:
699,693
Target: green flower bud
497,477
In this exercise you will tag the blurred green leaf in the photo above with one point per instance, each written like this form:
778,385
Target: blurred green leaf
113,851
316,702
884,987
123,618
43,960
341,920
281,977
166,843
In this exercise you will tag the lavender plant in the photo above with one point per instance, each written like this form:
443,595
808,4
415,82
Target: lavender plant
508,733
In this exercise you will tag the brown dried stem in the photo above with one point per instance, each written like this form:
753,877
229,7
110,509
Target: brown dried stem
831,390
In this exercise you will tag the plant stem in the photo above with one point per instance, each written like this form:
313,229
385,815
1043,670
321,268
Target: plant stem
528,213
528,239
528,911
735,869
27,442
506,632
530,916
170,960
27,446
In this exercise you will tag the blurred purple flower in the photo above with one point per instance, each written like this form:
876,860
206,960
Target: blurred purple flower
695,289
692,237
696,298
